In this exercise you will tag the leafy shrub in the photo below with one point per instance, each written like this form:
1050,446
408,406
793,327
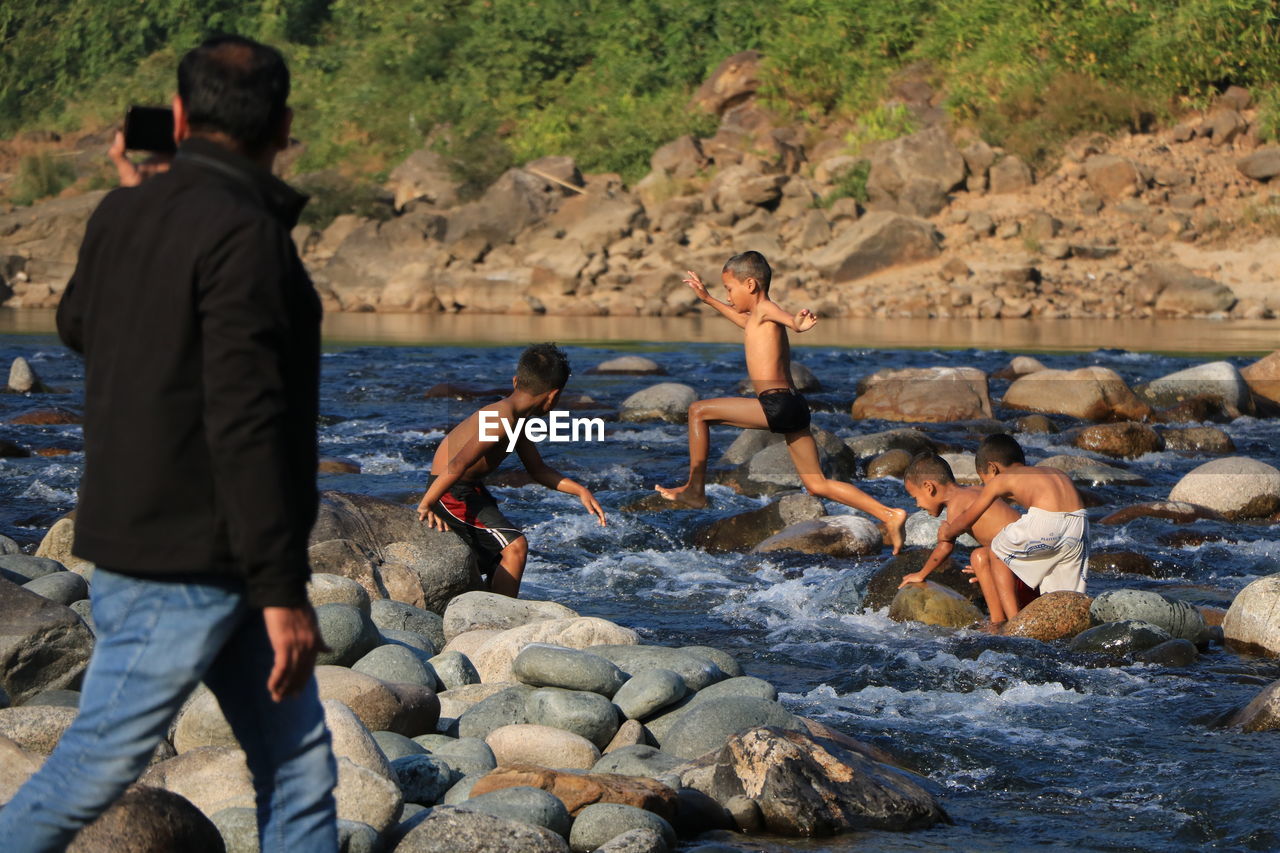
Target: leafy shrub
333,195
40,176
852,183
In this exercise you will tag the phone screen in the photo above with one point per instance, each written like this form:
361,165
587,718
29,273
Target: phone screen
149,129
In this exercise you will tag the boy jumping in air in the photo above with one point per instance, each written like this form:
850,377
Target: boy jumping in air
778,406
456,497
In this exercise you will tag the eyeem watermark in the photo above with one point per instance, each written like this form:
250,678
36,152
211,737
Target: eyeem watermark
558,427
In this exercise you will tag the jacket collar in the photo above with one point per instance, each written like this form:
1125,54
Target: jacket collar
283,201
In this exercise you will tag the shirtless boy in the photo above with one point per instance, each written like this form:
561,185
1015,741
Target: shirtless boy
1048,548
457,500
778,406
930,481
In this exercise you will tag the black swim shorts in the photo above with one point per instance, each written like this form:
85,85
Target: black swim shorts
471,512
785,410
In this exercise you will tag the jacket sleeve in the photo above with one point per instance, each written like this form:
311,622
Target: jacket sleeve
246,331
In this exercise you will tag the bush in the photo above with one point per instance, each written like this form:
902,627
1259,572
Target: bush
852,183
333,195
41,176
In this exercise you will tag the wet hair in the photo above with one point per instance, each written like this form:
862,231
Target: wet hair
929,466
542,368
234,85
1000,449
750,265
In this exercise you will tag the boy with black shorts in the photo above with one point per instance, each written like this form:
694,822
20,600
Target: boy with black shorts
456,497
778,406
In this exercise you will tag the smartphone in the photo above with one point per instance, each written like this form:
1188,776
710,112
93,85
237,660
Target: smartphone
149,129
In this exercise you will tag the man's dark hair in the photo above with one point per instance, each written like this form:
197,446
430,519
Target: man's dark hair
750,265
234,85
542,368
1000,449
929,466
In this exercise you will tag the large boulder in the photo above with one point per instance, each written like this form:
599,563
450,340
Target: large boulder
424,175
1252,623
579,790
1175,511
16,766
149,820
454,829
1218,380
541,665
475,610
882,587
924,394
1262,714
707,724
1124,440
1181,620
1263,377
933,604
1088,393
666,401
43,645
1053,616
698,671
772,469
1113,177
912,441
1083,470
495,658
1202,440
832,536
599,824
746,530
515,201
733,81
1119,639
587,714
914,174
809,786
546,746
876,242
1237,486
1193,295
526,804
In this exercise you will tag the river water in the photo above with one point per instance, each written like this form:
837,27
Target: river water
1026,745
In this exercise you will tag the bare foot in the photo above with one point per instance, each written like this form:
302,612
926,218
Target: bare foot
896,527
989,627
683,496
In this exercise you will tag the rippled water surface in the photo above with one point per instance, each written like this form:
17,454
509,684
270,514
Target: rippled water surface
1026,745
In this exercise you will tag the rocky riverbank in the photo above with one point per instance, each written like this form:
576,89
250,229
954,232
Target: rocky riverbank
1176,222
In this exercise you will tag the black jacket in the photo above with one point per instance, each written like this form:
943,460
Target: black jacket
200,332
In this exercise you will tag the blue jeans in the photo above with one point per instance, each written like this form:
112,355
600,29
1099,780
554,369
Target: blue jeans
156,640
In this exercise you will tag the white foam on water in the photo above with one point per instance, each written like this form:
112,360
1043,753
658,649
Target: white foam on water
384,463
672,434
42,491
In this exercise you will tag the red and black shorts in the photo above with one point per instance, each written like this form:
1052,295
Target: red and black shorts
471,512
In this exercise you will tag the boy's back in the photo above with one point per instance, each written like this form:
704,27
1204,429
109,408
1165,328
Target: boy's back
1040,487
996,517
490,456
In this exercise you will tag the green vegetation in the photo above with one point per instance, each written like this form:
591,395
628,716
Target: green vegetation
852,183
496,82
41,176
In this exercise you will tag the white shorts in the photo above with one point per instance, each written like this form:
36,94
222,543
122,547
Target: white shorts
1048,551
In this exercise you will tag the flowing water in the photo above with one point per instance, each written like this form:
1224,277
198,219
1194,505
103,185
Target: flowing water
1026,745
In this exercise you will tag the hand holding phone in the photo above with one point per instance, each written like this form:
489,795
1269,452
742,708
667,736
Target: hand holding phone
149,129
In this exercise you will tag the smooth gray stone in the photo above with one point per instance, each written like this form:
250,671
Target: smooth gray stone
8,546
1173,653
696,671
588,714
505,708
649,692
743,685
600,823
56,699
397,665
542,665
20,568
454,669
398,616
238,828
357,837
62,587
433,742
84,609
461,792
1120,638
395,745
525,804
707,725
424,779
347,632
1180,619
469,756
728,663
645,840
638,760
408,639
452,829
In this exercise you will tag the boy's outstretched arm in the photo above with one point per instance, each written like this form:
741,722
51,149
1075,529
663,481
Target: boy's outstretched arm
553,479
937,557
952,528
727,310
802,321
461,461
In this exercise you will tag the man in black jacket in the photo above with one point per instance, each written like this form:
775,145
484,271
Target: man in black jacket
200,334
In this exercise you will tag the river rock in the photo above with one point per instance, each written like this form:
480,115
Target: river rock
1083,470
666,401
598,824
454,669
914,173
407,639
509,706
1173,653
832,536
632,733
62,587
399,616
1127,440
397,664
16,766
922,532
1088,393
454,829
201,723
473,610
36,728
1176,511
468,756
56,545
541,665
696,670
1203,439
744,531
645,840
349,634
1124,563
22,568
772,469
1237,486
807,786
1188,294
352,741
580,790
526,804
1036,424
1252,624
882,588
373,701
589,715
424,779
638,760
495,658
43,645
149,820
891,463
912,441
1052,616
1262,714
1179,619
1263,378
1219,380
629,365
648,692
395,746
527,743
877,241
23,378
933,604
706,725
1120,639
963,467
923,394
347,559
728,663
324,588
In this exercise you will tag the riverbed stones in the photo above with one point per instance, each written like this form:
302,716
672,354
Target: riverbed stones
911,440
728,663
20,568
882,587
646,840
351,740
349,634
1262,714
891,463
16,766
468,756
390,615
450,829
1120,639
1124,563
475,610
833,536
772,469
508,706
324,588
395,746
397,664
1126,440
373,701
36,728
65,588
746,530
666,401
494,659
1052,616
1263,378
579,790
424,779
933,604
1203,439
43,645
1088,393
1171,653
1179,512
706,725
598,824
454,669
648,692
589,715
1252,624
806,786
1091,472
146,819
526,804
922,532
630,733
638,760
542,665
923,394
629,365
527,743
696,670
1219,380
1237,486
1179,619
